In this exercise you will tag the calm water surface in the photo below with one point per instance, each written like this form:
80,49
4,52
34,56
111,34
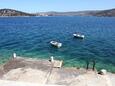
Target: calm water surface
30,37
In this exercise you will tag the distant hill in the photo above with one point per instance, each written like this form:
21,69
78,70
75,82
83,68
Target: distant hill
11,12
79,13
109,13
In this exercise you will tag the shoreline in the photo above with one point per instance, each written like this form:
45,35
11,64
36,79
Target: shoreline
77,65
41,71
57,16
63,65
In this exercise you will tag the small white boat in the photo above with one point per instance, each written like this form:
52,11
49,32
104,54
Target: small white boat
78,35
56,44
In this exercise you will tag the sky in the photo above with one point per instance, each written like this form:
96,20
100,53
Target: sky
57,5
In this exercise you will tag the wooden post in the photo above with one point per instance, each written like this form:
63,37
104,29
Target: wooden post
94,63
87,66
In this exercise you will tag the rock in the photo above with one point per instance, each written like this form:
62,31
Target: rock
103,72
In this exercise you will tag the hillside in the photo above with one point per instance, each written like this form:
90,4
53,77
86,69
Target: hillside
11,12
109,13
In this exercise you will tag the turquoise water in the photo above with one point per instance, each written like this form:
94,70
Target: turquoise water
30,37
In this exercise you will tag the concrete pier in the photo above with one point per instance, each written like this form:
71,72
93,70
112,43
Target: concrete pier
41,72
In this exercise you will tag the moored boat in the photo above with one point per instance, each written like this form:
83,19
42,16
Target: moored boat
56,44
78,35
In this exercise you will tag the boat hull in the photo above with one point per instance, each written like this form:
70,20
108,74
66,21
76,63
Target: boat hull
56,44
78,36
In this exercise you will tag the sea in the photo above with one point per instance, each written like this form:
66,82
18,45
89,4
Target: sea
30,37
